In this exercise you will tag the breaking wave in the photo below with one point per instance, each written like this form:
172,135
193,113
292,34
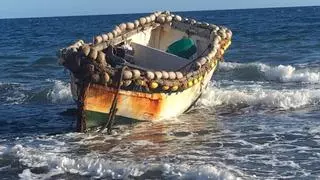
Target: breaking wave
259,96
60,92
280,73
54,160
55,92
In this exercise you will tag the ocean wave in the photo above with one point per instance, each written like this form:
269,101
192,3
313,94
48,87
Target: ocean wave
280,73
259,96
315,130
55,92
28,175
95,166
60,92
3,149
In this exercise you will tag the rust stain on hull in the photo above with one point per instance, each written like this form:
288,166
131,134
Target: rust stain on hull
137,105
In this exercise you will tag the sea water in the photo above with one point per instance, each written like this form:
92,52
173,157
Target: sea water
258,119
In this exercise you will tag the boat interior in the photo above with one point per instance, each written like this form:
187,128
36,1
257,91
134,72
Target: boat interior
149,48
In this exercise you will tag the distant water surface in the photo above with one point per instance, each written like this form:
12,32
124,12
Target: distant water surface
259,119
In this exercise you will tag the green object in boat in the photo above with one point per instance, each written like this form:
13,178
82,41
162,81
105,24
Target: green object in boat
184,48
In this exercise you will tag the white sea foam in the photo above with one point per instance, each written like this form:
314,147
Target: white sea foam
143,143
16,99
258,96
28,175
2,149
96,166
201,172
314,130
289,74
279,73
229,66
60,92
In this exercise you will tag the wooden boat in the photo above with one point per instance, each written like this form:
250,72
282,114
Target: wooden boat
150,69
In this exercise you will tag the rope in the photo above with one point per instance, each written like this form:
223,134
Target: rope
113,108
82,119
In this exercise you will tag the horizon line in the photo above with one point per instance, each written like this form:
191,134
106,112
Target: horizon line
175,11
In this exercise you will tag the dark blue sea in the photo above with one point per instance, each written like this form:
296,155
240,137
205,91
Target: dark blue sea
259,119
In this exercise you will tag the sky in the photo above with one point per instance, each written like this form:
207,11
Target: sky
45,8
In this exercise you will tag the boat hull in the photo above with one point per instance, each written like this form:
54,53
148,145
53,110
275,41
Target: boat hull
139,106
